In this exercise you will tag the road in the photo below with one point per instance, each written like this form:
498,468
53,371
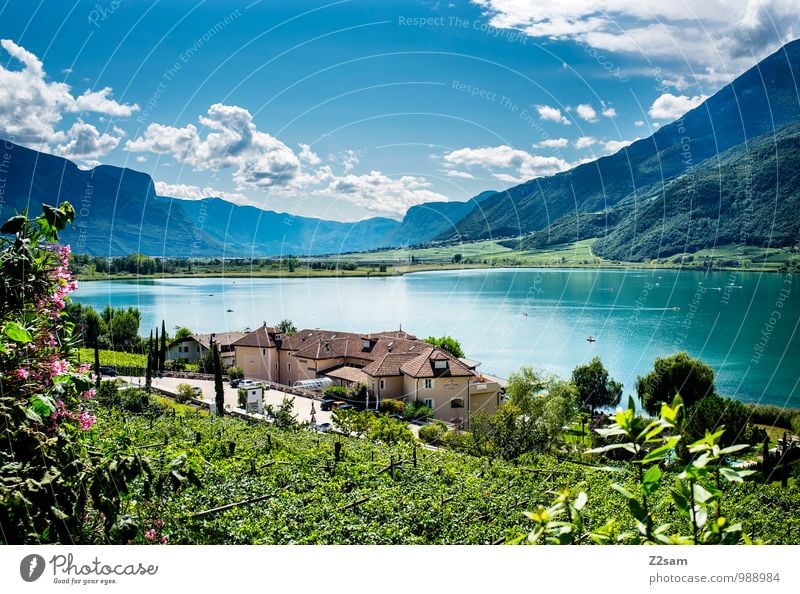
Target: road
302,406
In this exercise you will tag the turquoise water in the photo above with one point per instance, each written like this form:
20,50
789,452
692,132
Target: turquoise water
745,325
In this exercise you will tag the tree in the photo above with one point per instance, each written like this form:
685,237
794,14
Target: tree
219,390
286,327
447,343
182,332
676,374
162,352
595,388
523,385
148,373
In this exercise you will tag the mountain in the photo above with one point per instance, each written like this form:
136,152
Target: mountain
426,221
750,195
250,231
116,210
118,213
761,100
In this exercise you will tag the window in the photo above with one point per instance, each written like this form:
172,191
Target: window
457,403
428,384
276,366
310,369
383,385
264,352
440,364
290,366
430,403
198,348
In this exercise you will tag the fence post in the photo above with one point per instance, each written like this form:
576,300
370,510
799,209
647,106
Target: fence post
337,450
415,455
391,467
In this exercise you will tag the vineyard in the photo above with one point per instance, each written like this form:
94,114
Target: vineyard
229,481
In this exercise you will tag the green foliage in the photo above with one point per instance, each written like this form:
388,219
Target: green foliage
374,427
181,333
241,397
713,412
47,476
178,364
524,384
335,392
595,388
447,343
184,392
235,372
282,416
678,374
416,411
433,433
219,389
114,359
392,406
287,327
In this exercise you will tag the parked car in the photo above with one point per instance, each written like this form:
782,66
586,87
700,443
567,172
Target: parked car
109,371
322,427
198,391
326,404
345,406
235,383
247,383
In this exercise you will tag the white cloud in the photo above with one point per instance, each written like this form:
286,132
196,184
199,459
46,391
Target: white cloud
99,102
307,155
609,112
31,107
585,142
380,193
141,159
522,164
586,112
461,174
671,107
723,35
552,143
551,114
259,159
189,192
638,123
612,146
84,141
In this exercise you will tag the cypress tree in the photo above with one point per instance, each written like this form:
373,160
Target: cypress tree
148,374
219,390
162,359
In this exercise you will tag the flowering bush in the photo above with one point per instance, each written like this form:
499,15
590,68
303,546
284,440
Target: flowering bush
46,470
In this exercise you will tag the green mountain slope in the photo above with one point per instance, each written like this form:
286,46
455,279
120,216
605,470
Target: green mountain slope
761,100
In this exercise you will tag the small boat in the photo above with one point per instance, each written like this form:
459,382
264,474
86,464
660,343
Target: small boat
676,308
591,338
229,310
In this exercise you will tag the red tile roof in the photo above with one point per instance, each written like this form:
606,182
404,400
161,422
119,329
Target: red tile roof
423,365
263,338
389,364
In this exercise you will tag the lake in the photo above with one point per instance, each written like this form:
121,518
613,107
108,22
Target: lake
743,324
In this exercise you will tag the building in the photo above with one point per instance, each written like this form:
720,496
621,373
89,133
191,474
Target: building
193,347
392,364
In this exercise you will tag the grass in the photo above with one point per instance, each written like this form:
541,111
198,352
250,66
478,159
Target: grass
113,358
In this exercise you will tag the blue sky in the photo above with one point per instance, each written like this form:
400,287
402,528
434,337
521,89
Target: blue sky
350,109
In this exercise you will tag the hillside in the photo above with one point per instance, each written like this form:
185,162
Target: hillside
761,100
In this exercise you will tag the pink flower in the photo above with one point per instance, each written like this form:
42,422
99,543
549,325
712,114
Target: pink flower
22,373
164,539
84,367
158,523
86,420
90,393
150,535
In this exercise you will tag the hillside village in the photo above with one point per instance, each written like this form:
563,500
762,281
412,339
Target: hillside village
392,365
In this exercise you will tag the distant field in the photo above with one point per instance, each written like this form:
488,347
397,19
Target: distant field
113,358
488,253
749,257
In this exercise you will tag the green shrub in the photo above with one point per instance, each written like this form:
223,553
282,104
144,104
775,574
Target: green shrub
461,441
178,364
108,394
185,392
417,411
433,433
335,392
392,406
136,401
769,414
234,372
